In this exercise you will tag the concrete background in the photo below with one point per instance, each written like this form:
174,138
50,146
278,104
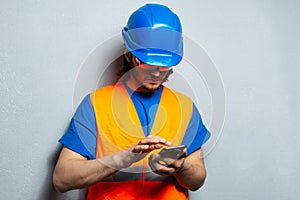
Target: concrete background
254,45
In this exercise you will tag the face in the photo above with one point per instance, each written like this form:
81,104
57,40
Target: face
147,78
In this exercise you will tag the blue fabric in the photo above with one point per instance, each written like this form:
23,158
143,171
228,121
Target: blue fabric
196,134
81,136
146,105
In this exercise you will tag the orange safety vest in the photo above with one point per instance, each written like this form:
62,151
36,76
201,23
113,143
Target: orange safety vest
118,128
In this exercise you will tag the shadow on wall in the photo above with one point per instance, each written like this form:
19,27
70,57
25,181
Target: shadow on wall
111,73
48,191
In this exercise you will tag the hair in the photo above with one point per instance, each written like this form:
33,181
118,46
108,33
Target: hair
126,64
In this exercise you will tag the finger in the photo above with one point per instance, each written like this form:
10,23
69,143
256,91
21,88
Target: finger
157,162
177,165
141,148
155,140
158,168
163,170
154,162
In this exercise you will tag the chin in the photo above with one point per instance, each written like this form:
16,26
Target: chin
151,86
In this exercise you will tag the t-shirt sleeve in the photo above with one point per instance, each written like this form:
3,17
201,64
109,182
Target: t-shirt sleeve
196,134
82,133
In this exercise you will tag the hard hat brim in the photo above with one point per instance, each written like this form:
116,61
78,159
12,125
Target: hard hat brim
160,47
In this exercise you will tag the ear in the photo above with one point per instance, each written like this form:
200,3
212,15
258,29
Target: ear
127,55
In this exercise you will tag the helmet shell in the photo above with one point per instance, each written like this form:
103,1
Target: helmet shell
154,35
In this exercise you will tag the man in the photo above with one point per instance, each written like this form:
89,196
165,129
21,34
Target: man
114,138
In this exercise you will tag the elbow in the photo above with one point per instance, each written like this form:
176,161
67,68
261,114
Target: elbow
199,183
58,183
196,187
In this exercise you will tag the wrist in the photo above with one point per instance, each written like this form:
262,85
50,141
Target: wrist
127,158
181,168
116,161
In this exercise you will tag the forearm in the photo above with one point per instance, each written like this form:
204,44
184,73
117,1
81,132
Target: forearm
78,173
74,171
191,176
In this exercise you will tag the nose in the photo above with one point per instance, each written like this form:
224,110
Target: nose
156,72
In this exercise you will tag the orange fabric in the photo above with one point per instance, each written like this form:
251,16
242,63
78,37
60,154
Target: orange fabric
118,127
147,190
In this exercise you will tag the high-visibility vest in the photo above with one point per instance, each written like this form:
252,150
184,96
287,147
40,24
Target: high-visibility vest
118,128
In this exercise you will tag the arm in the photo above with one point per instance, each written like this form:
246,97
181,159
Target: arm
192,172
189,172
74,171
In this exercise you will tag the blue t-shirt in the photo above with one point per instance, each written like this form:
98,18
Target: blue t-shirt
81,135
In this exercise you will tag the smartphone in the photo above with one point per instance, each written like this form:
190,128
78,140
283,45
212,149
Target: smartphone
173,152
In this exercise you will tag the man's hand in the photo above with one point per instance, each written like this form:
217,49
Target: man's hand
165,165
189,171
138,151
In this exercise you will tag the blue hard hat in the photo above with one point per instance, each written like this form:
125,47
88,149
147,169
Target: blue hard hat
154,35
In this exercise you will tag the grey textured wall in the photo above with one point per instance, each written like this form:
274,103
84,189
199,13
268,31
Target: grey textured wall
254,44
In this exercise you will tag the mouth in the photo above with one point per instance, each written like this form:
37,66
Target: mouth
153,81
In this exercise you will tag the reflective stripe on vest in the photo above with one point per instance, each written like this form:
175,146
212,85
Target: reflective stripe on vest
118,128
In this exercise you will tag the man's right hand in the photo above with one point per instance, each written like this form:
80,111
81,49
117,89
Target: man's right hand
138,151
